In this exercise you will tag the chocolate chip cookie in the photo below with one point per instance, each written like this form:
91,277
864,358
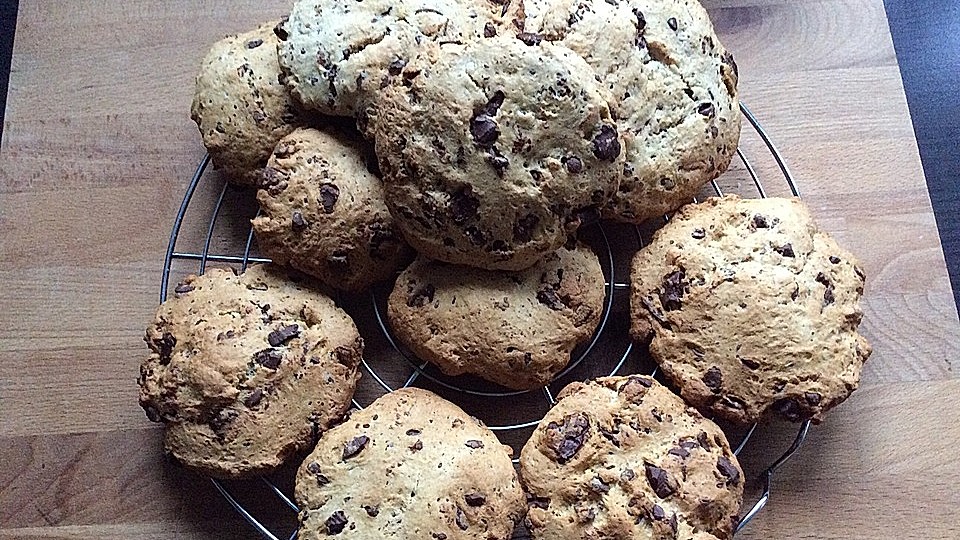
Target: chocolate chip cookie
411,465
623,457
337,54
495,150
751,309
323,212
513,328
245,371
672,87
241,108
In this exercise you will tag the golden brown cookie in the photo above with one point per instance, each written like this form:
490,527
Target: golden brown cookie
411,465
672,88
323,212
623,457
239,106
751,309
513,328
247,370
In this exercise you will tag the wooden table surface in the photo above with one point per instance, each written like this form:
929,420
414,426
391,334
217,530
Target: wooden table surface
98,147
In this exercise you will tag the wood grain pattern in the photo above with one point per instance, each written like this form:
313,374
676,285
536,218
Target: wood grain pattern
98,146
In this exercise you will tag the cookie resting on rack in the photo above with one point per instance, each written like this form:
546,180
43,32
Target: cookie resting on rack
245,371
411,465
623,457
240,107
751,310
516,329
495,150
323,212
337,54
672,86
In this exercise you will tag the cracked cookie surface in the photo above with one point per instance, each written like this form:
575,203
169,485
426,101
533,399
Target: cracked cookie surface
323,212
494,151
410,465
625,458
239,106
516,329
751,310
247,370
337,54
672,88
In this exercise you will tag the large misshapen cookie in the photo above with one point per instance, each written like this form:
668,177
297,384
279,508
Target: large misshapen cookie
517,329
245,371
495,150
240,106
623,457
751,309
410,465
672,88
337,54
323,212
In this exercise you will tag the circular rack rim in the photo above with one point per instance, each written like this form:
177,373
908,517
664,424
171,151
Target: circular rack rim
766,477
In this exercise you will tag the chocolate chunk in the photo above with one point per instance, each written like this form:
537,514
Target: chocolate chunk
828,297
183,288
538,502
698,234
229,334
221,420
813,398
417,446
475,235
283,334
703,441
657,513
641,20
371,511
673,524
660,481
421,296
728,470
355,446
610,436
298,222
336,522
268,358
627,475
760,222
788,408
345,356
152,413
165,346
484,130
489,30
461,520
598,485
497,161
254,398
530,38
786,250
672,23
474,499
524,227
834,259
606,144
673,290
706,109
549,298
474,444
396,66
280,31
679,451
413,432
713,378
751,364
574,164
254,43
567,438
314,468
494,103
689,445
464,205
329,194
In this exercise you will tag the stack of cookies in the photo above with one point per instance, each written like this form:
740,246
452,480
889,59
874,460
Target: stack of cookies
455,148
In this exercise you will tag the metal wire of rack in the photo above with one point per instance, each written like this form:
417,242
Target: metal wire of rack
421,370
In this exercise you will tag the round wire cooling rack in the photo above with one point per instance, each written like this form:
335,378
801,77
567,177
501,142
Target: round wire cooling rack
228,239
